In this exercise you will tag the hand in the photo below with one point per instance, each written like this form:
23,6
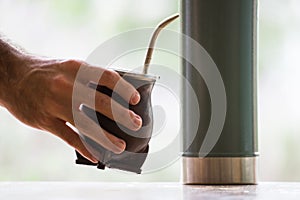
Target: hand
42,98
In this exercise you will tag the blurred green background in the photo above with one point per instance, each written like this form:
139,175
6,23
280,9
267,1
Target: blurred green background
74,28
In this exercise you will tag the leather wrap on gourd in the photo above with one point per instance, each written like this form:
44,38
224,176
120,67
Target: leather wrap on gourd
137,142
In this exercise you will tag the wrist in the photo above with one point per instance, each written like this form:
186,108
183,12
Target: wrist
13,65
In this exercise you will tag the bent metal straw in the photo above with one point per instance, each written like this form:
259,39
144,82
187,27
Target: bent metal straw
161,25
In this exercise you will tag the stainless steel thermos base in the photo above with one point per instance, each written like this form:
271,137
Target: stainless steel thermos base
219,170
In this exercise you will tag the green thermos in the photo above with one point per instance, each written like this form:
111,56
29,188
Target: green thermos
227,30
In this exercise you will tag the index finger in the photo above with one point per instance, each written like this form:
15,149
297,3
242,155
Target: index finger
112,80
115,82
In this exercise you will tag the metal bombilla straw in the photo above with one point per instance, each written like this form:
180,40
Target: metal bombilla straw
161,25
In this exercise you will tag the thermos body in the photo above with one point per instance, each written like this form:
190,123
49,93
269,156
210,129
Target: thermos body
227,30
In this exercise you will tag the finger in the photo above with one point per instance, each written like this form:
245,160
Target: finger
109,107
114,81
64,132
110,79
93,130
93,99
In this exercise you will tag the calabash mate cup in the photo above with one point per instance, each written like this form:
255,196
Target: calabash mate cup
137,142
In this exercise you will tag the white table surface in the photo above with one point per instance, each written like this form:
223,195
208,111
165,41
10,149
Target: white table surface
143,191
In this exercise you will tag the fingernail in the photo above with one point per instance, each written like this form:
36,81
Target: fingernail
135,98
137,120
121,145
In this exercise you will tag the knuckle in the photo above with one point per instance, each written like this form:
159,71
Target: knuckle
58,82
124,115
72,62
103,101
90,98
111,76
58,78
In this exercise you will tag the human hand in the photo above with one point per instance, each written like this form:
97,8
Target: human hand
42,98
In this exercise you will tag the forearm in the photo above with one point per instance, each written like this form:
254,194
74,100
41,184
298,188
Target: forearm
12,67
